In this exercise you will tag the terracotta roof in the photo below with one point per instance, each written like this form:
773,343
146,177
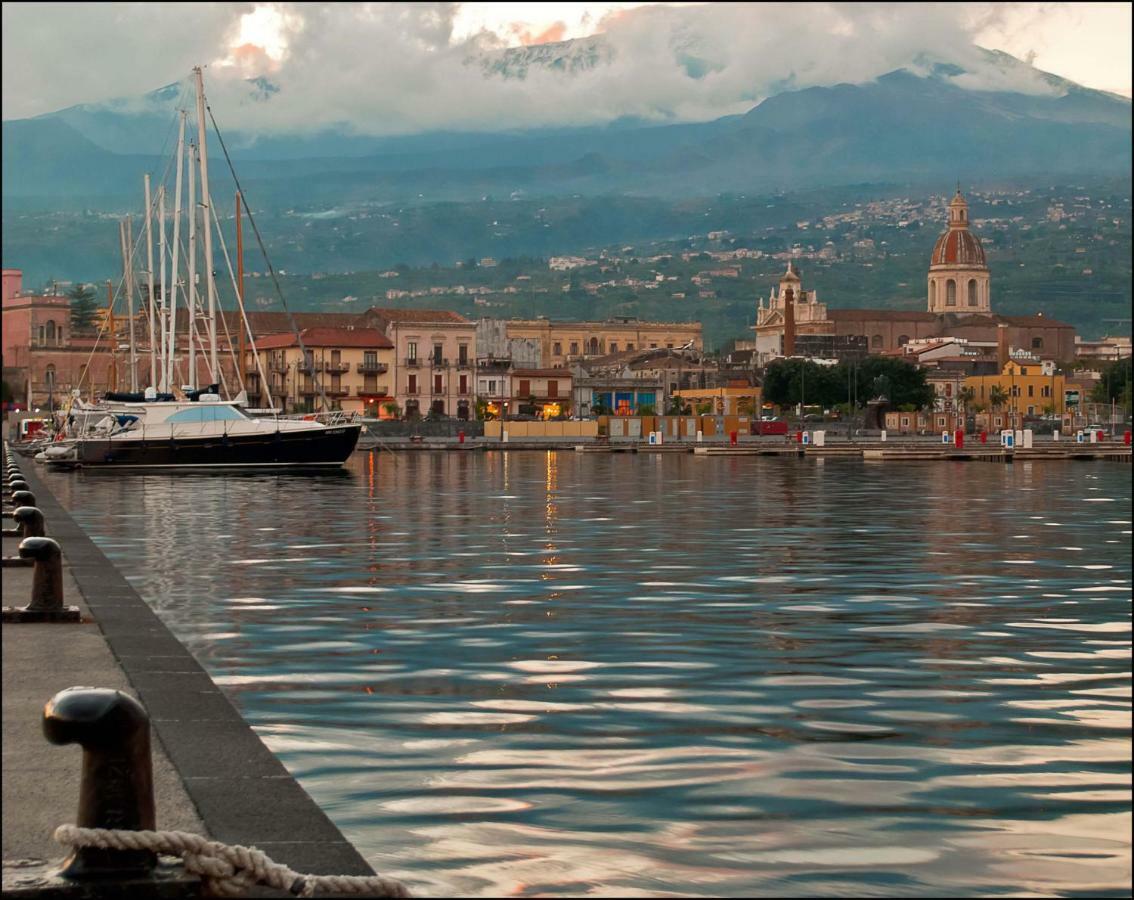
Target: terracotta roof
440,316
370,338
958,247
541,373
1034,320
881,315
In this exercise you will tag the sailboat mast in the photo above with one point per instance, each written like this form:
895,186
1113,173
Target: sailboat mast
112,371
240,292
164,294
150,282
124,243
130,302
171,343
206,200
192,373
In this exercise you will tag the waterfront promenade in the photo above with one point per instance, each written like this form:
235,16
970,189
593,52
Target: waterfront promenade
212,774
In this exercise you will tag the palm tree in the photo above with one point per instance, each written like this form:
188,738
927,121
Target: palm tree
965,398
997,397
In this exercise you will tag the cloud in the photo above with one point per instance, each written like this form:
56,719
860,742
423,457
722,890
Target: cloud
396,68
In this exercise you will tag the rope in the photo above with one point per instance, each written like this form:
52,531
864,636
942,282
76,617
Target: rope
228,870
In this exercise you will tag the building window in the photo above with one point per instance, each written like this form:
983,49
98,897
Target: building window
669,346
932,294
438,384
411,351
629,346
876,342
369,359
574,348
411,388
336,357
1037,343
557,349
50,332
49,376
464,388
492,386
1031,390
950,293
653,346
1023,370
972,292
1046,392
525,388
614,347
552,388
437,350
41,331
903,339
463,354
594,346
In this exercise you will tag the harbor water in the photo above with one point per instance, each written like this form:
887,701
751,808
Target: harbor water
612,675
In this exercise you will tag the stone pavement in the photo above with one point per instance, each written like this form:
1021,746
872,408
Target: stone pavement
41,780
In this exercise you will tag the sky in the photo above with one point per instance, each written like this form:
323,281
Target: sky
401,68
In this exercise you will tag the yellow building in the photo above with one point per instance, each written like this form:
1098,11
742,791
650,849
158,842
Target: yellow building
1023,388
724,401
349,366
561,342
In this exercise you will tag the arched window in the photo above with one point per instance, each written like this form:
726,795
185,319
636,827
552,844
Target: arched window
42,330
49,376
903,339
932,294
594,346
50,333
1037,343
972,292
950,293
876,342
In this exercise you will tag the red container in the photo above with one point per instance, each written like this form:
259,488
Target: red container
984,437
958,438
1126,439
460,437
799,437
732,438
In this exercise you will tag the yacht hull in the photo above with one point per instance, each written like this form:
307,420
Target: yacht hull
324,448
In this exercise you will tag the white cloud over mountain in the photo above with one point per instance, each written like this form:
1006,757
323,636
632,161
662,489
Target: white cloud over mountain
396,68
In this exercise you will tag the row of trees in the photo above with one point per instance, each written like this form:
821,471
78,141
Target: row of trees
791,381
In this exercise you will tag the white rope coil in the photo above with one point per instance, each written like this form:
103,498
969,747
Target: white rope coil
228,870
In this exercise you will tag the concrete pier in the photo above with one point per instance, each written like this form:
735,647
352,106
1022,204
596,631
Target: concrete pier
212,774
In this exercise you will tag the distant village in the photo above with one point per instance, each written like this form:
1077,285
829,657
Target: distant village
986,369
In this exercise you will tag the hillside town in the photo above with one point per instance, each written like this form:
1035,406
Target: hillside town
986,370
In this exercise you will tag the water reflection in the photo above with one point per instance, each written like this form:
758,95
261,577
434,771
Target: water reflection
558,673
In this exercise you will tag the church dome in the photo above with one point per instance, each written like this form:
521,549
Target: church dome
958,247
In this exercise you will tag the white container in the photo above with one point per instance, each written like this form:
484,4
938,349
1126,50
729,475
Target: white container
806,438
883,435
1028,434
820,439
699,436
504,436
1055,435
946,438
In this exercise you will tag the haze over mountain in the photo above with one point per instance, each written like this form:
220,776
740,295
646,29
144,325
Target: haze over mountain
916,123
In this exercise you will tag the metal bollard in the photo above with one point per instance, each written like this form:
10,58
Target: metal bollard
23,498
117,786
47,585
30,521
18,484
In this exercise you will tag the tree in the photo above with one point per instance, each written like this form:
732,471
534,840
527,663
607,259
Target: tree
392,410
83,307
647,409
1114,383
997,396
677,407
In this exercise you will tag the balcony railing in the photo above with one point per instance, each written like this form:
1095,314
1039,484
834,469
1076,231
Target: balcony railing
439,362
464,364
376,368
412,361
332,367
379,391
337,392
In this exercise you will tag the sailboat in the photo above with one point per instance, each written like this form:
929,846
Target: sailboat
163,427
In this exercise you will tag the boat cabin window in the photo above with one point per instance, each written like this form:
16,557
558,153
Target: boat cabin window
206,413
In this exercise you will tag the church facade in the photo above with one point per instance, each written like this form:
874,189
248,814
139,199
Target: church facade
958,304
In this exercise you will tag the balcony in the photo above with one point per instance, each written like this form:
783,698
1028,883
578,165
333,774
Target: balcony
278,367
379,391
375,368
412,362
438,362
464,363
337,392
333,367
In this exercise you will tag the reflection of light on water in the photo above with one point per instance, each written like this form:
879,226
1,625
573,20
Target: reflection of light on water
908,711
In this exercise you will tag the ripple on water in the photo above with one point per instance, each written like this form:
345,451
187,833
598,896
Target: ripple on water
779,681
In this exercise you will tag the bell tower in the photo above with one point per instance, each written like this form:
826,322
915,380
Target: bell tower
958,272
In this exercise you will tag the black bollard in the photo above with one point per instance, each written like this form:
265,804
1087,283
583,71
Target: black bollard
18,484
23,498
30,521
47,585
117,786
